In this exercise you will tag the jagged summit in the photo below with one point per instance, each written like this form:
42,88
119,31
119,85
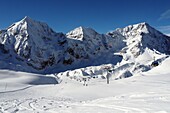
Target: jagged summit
137,29
142,23
80,32
28,23
27,18
83,29
77,33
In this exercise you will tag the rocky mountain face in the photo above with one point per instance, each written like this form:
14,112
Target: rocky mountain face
141,36
87,43
30,42
32,46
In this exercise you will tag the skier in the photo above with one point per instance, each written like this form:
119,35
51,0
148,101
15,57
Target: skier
85,81
107,77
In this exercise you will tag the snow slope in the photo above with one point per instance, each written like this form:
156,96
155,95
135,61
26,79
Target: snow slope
145,93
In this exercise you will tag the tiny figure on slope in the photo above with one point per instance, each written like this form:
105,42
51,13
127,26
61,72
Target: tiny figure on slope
85,81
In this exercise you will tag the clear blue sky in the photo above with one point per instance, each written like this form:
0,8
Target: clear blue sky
102,15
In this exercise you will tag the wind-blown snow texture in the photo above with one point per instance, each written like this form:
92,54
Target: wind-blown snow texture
32,46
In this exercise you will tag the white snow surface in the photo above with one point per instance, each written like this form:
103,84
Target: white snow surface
78,64
145,93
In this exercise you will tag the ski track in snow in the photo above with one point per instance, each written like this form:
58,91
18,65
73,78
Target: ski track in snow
139,94
16,90
130,102
120,104
147,101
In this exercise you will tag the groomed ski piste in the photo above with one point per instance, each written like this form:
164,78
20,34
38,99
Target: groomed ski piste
147,92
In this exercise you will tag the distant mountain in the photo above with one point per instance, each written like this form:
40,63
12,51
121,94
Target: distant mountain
141,36
32,46
30,42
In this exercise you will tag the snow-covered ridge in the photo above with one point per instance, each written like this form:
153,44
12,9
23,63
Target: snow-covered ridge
32,46
141,36
30,43
136,28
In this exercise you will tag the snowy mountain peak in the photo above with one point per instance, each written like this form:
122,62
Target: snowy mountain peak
135,29
31,43
143,23
27,19
22,25
144,27
77,34
140,36
80,32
